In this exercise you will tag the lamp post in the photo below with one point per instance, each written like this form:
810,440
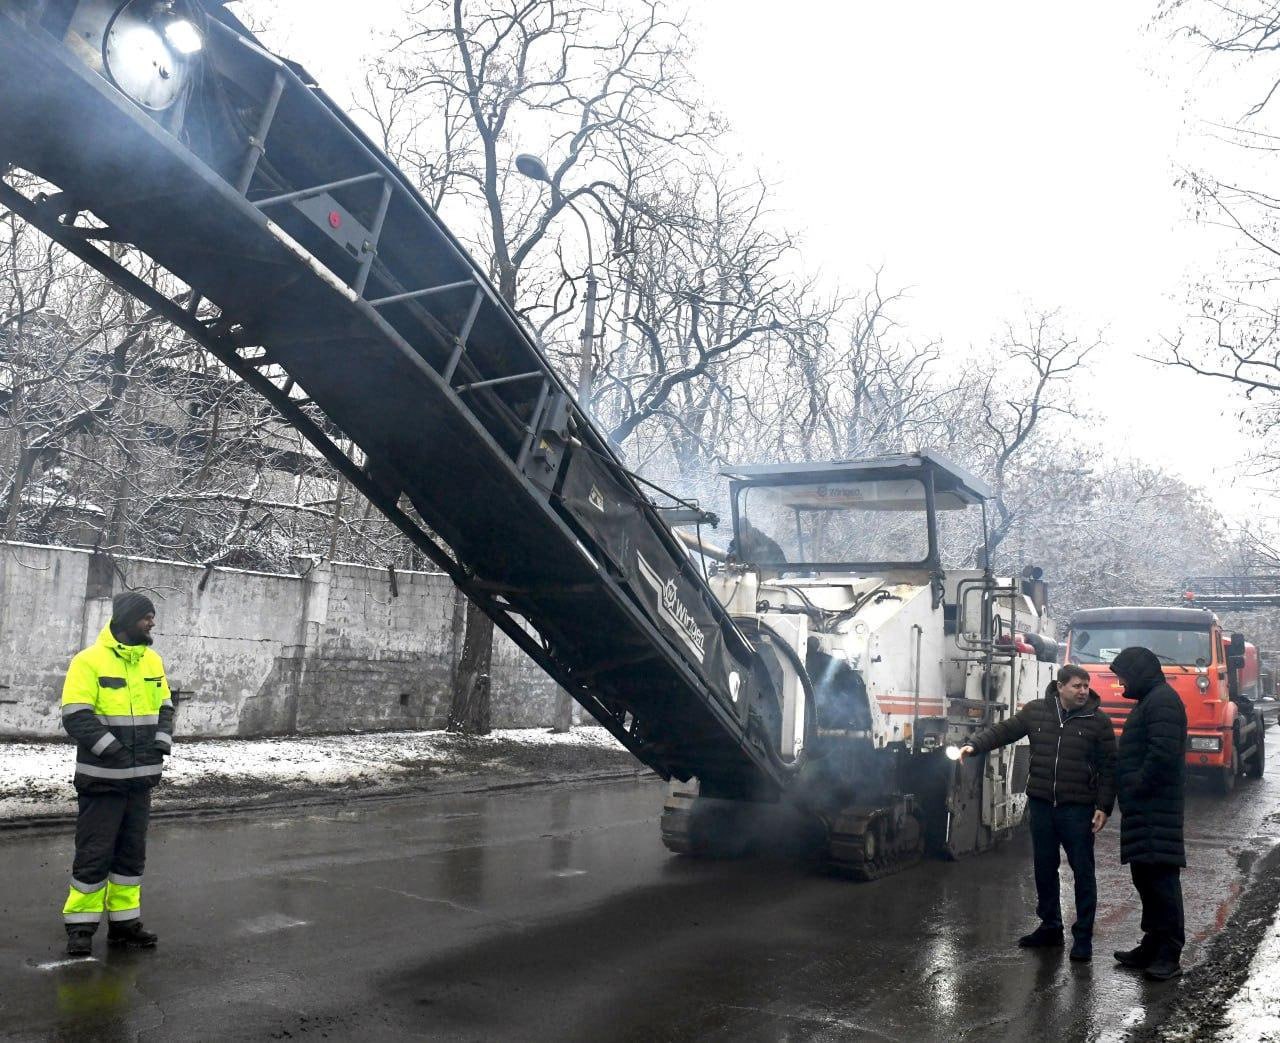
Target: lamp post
533,168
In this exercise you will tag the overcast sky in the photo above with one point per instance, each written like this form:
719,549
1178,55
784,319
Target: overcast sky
992,157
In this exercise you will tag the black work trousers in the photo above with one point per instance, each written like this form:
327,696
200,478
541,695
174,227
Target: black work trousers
111,834
1160,888
1069,828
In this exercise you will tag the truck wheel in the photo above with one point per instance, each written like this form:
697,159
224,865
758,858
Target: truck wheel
1258,755
1225,780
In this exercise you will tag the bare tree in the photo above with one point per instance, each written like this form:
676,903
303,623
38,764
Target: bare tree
596,89
1231,335
1026,381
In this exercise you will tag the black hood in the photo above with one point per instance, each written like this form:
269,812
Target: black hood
1139,669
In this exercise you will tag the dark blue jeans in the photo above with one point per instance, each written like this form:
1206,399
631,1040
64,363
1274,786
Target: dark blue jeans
1069,828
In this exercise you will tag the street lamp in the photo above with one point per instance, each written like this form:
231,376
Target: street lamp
533,168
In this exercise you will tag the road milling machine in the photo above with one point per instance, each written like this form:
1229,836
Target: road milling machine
883,659
826,662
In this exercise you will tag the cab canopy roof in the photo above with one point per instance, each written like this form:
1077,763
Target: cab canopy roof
954,487
1157,615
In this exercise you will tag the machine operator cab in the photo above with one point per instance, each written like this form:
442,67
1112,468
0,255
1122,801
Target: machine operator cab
879,515
902,520
846,559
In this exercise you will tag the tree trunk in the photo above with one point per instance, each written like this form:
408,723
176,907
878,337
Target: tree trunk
469,708
469,711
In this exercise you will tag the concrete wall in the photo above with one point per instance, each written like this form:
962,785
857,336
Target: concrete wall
335,648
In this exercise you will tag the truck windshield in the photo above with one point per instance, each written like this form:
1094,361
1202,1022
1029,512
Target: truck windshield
833,522
1174,646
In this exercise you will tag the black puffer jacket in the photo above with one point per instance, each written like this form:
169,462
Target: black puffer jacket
1152,763
1073,758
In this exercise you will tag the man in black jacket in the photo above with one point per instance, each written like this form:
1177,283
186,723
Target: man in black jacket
1152,766
1070,791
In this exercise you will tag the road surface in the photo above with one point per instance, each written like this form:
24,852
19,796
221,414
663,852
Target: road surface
555,914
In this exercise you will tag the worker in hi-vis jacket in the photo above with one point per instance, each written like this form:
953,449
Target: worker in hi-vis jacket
117,706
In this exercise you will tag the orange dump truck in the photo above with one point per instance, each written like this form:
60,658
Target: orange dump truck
1216,676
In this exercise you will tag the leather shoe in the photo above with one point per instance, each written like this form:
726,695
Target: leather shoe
80,943
1162,969
1138,958
131,934
1082,950
1042,938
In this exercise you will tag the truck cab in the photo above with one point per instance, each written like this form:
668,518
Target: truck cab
1216,677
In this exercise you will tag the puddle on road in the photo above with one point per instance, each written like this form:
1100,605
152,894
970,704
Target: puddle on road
1126,1024
270,923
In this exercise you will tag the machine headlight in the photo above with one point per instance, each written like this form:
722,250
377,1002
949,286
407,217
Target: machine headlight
1206,743
1202,682
183,36
147,49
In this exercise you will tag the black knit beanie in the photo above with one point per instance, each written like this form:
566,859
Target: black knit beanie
129,607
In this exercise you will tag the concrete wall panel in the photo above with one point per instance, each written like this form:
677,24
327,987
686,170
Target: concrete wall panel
336,648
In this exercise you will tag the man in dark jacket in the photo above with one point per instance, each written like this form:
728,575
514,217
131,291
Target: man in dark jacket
1070,791
1151,768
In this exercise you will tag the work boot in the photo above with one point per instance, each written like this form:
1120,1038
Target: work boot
1082,950
1138,958
1163,967
131,933
79,943
1042,938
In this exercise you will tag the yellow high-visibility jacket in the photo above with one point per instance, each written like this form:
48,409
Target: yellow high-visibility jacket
116,704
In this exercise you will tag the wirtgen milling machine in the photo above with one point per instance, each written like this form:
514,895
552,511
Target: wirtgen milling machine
162,133
883,658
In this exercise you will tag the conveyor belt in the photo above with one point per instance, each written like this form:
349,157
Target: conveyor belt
334,290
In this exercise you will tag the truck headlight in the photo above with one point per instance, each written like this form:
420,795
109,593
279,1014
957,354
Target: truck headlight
1206,743
1202,682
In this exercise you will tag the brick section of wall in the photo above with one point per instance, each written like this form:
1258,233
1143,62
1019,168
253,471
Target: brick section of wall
337,648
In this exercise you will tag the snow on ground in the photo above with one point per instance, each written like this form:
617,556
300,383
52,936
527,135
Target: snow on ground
1254,1013
35,778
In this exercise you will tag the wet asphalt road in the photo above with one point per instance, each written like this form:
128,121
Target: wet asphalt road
556,914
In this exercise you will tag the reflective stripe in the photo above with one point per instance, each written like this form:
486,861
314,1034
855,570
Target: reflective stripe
130,720
168,703
84,907
118,773
124,898
165,738
69,708
106,740
87,889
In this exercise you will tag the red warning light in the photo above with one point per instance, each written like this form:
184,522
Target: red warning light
335,219
1189,595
